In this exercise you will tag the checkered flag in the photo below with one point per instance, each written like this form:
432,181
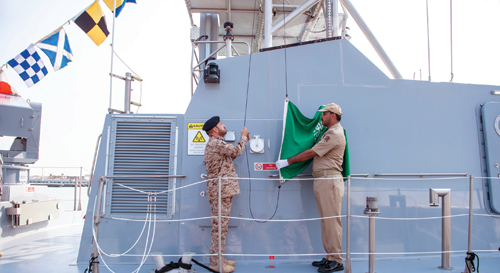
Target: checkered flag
29,66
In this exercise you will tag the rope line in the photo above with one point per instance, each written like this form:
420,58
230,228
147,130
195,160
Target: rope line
299,220
305,179
144,256
160,192
451,40
321,254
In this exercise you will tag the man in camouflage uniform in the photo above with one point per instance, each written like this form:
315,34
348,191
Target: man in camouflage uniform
219,158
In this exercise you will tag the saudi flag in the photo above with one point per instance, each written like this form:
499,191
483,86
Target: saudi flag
300,133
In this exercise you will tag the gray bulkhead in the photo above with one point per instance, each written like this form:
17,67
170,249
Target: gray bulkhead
393,126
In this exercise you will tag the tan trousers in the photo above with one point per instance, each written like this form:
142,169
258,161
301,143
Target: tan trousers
214,211
329,194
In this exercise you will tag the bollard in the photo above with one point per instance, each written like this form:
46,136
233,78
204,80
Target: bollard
371,210
158,259
434,195
186,259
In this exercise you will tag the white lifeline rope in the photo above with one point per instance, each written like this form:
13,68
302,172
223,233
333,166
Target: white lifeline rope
140,235
144,256
152,238
305,219
322,254
160,192
97,245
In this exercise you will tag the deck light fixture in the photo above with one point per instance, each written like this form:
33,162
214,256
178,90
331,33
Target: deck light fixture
212,73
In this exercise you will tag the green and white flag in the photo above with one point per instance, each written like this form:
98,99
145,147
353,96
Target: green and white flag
301,133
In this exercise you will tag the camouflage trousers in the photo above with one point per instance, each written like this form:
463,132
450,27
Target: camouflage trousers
214,211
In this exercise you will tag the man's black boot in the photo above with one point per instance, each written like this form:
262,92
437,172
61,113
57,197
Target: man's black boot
331,266
320,263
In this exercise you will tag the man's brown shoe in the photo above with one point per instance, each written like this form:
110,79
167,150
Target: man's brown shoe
227,268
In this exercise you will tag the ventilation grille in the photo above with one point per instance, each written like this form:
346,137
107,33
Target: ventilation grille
141,148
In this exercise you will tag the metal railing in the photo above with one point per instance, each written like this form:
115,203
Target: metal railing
445,252
75,180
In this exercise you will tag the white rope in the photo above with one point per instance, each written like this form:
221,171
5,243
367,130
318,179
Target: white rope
173,220
300,179
148,221
122,254
321,254
284,220
302,220
411,253
144,256
160,192
152,239
410,179
421,218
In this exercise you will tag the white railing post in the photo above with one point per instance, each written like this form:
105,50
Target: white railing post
468,263
348,226
220,263
434,195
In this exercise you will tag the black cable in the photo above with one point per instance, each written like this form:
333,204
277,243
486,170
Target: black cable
182,265
284,42
470,258
91,264
204,266
250,203
244,125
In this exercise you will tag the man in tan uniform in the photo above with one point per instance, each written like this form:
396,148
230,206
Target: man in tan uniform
219,158
328,186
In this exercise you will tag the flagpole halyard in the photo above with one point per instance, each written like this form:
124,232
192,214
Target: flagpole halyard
53,32
112,54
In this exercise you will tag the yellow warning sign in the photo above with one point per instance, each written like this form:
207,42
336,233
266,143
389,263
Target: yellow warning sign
195,126
199,137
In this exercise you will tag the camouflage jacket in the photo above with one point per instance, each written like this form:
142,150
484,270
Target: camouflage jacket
219,158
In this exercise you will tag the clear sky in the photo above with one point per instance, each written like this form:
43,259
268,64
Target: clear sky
152,37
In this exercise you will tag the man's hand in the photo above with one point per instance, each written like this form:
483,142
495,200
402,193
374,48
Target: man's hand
281,163
244,132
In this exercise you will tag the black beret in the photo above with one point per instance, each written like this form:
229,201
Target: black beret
211,123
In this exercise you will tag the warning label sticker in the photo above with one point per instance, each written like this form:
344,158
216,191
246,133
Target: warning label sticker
197,139
264,166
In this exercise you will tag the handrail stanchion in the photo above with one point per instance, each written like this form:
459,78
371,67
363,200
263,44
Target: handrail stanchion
348,226
434,195
220,263
469,246
371,210
80,190
76,191
97,221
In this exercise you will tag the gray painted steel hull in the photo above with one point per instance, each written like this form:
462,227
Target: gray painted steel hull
393,126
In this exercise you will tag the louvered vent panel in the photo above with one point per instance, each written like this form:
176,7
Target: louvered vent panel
141,148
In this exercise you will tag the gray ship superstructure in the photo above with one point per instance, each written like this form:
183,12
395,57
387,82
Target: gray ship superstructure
414,145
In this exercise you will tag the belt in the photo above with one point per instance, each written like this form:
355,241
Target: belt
318,174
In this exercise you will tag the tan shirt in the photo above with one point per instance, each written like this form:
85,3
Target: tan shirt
219,157
330,150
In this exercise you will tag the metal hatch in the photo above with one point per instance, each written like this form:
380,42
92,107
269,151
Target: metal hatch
140,146
491,134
